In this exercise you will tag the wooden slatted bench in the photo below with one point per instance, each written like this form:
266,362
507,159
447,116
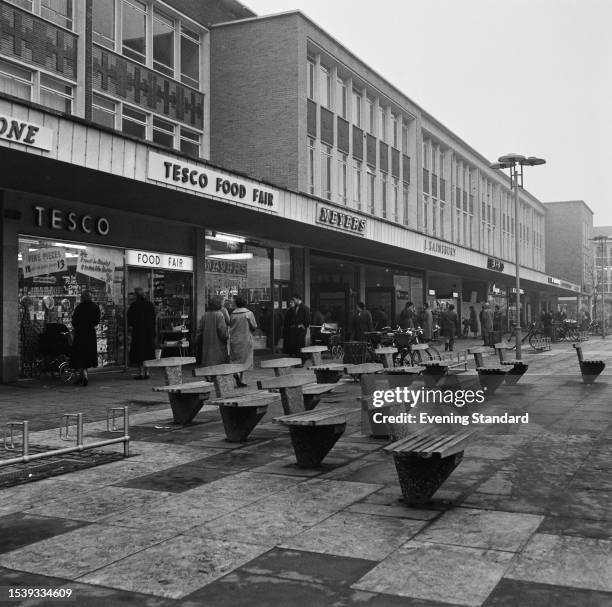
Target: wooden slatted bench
519,368
240,414
589,369
281,366
186,400
314,433
425,459
490,376
298,392
240,411
315,352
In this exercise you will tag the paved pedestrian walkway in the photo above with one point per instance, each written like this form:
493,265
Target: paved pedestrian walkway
189,519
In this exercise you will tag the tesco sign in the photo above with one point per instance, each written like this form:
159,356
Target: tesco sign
161,261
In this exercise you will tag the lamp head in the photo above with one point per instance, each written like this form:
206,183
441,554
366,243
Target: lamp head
511,158
532,161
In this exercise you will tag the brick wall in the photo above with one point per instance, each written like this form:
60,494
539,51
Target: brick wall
256,102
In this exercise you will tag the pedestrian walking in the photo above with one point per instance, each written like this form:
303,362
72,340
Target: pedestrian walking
486,323
215,334
427,322
362,322
289,345
242,326
407,316
84,352
473,322
300,324
450,327
141,319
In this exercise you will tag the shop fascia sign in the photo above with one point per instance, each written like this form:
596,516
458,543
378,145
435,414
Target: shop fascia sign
338,219
201,179
495,264
160,261
26,133
554,281
436,247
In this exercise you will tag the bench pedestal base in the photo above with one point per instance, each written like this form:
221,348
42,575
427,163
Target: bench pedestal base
591,369
312,443
240,421
518,370
173,375
491,380
185,407
421,477
432,375
328,376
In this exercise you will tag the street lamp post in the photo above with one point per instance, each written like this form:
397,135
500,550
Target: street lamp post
516,162
603,240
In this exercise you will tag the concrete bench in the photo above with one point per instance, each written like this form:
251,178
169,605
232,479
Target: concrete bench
172,367
589,369
186,400
425,459
314,433
436,372
315,352
519,368
281,366
385,355
222,377
489,376
298,392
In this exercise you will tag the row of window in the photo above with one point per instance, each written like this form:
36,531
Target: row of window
144,125
58,11
148,36
36,86
374,118
372,191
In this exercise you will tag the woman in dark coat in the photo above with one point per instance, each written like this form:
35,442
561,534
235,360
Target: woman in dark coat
215,335
141,317
84,347
289,340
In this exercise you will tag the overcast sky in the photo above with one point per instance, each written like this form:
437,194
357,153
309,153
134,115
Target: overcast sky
527,76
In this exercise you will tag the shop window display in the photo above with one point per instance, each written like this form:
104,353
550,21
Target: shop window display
52,276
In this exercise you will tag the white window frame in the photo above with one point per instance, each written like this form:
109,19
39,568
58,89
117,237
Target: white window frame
36,8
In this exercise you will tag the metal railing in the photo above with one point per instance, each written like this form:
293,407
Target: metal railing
65,435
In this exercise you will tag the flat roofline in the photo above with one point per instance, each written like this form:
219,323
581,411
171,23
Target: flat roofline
570,202
424,112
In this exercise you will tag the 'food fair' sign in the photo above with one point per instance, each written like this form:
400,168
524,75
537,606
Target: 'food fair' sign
201,179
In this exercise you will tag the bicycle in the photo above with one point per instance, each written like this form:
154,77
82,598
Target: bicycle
406,356
532,334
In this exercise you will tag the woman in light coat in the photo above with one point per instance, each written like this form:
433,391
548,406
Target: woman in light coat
242,326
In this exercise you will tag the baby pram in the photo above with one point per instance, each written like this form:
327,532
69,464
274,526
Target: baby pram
330,335
53,352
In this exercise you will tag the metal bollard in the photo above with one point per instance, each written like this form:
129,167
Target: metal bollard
66,436
111,420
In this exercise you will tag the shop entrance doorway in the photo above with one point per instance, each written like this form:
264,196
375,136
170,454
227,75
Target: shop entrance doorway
336,304
380,301
171,293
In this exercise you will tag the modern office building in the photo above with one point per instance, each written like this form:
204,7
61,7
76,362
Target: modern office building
601,274
155,144
569,251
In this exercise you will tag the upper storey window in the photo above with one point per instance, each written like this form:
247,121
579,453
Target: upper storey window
58,11
148,36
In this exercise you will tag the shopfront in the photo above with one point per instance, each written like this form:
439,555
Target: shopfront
63,249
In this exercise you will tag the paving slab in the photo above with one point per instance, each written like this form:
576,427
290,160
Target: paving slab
176,567
436,572
488,529
348,534
95,545
563,560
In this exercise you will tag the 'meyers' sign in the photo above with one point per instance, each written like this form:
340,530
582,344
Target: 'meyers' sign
26,133
338,219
